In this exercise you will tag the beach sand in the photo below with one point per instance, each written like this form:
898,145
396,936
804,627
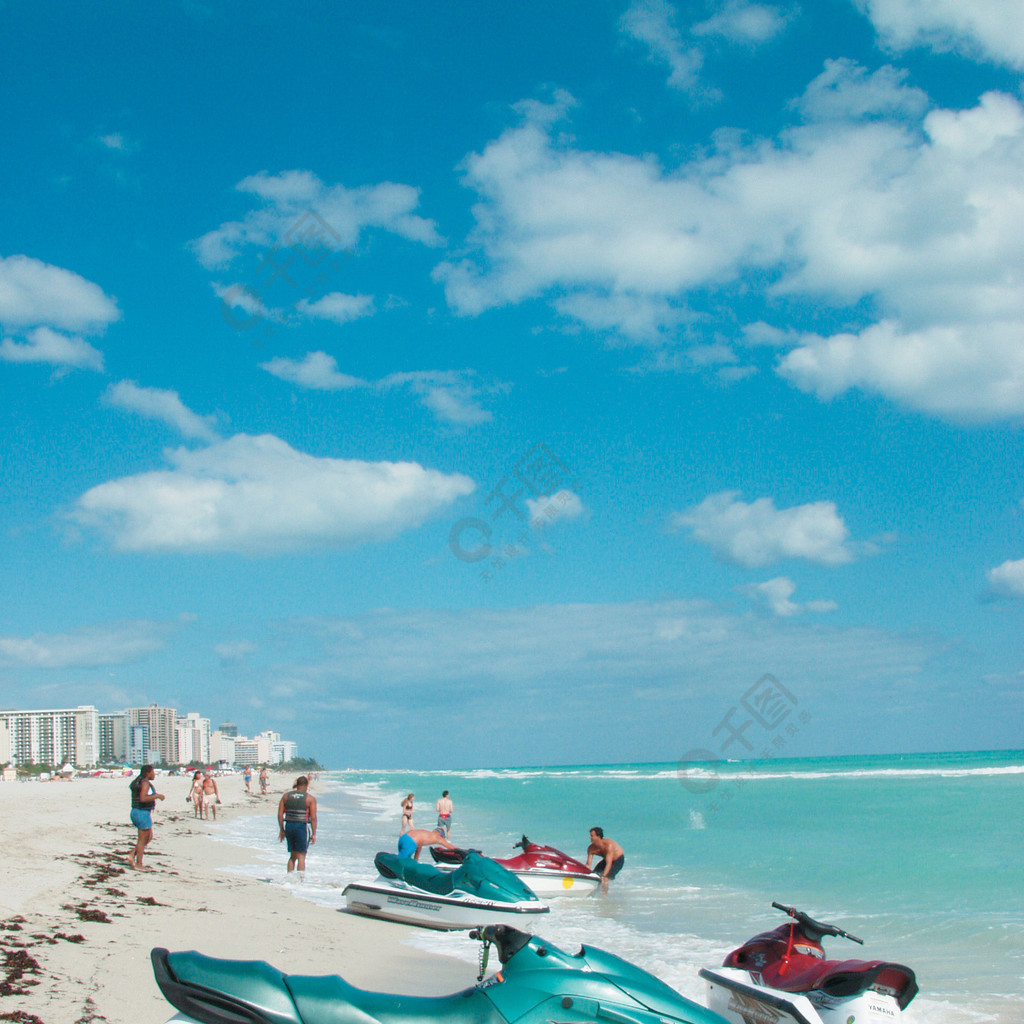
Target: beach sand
77,923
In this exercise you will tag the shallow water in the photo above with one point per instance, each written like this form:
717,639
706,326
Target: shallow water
919,855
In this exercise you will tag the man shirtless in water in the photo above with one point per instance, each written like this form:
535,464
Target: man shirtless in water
410,843
611,854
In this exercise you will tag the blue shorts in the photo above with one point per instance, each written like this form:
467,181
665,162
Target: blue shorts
406,845
141,819
296,835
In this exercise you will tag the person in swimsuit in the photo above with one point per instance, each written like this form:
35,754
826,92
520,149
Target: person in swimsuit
263,780
406,814
611,854
144,798
211,795
196,795
247,775
444,813
296,818
410,843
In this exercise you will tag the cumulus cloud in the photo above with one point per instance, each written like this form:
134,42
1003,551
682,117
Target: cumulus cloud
1007,580
45,310
910,219
258,495
43,345
777,593
316,371
987,30
298,211
113,644
337,307
451,395
742,22
163,406
561,507
759,534
653,24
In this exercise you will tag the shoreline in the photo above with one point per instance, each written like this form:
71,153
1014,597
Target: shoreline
77,923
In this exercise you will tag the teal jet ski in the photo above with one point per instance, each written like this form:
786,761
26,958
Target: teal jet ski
479,892
536,984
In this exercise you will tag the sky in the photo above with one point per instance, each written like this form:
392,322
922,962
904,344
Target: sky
460,386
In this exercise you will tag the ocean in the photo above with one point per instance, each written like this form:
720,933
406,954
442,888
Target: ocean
921,855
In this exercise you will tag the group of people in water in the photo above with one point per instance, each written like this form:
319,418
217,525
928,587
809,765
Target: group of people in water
411,839
297,823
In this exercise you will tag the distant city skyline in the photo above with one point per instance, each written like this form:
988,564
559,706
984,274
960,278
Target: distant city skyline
86,737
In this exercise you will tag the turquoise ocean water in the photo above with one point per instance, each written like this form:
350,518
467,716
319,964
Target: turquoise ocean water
920,855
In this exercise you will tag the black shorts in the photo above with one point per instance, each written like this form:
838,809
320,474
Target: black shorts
616,866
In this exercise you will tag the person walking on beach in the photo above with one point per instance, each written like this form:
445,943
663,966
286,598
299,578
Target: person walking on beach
196,795
211,796
444,813
296,818
406,814
144,798
263,781
247,775
611,854
410,843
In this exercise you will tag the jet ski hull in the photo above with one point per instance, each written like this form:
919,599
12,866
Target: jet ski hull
548,884
385,899
738,996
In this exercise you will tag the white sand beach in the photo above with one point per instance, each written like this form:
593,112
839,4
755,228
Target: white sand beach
77,923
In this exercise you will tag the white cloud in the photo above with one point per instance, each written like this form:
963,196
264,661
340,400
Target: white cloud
33,293
740,21
300,212
337,307
451,395
913,222
43,345
258,495
759,534
46,310
653,23
316,371
776,594
989,30
845,90
163,406
960,372
561,507
114,644
1007,579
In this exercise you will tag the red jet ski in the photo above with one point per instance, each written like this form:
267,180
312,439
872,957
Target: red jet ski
783,976
547,871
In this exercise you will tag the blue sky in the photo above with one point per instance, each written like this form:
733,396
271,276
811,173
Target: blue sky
447,387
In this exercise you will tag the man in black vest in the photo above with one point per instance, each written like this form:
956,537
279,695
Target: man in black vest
296,817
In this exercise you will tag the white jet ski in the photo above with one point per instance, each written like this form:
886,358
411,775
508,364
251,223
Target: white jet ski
477,893
782,977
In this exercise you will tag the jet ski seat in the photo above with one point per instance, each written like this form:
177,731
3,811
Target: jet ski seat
423,876
840,978
252,992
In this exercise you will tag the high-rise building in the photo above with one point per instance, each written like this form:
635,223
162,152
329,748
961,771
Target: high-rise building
228,729
113,737
161,732
193,739
55,736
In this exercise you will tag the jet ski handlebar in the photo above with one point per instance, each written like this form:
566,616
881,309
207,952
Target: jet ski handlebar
815,929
